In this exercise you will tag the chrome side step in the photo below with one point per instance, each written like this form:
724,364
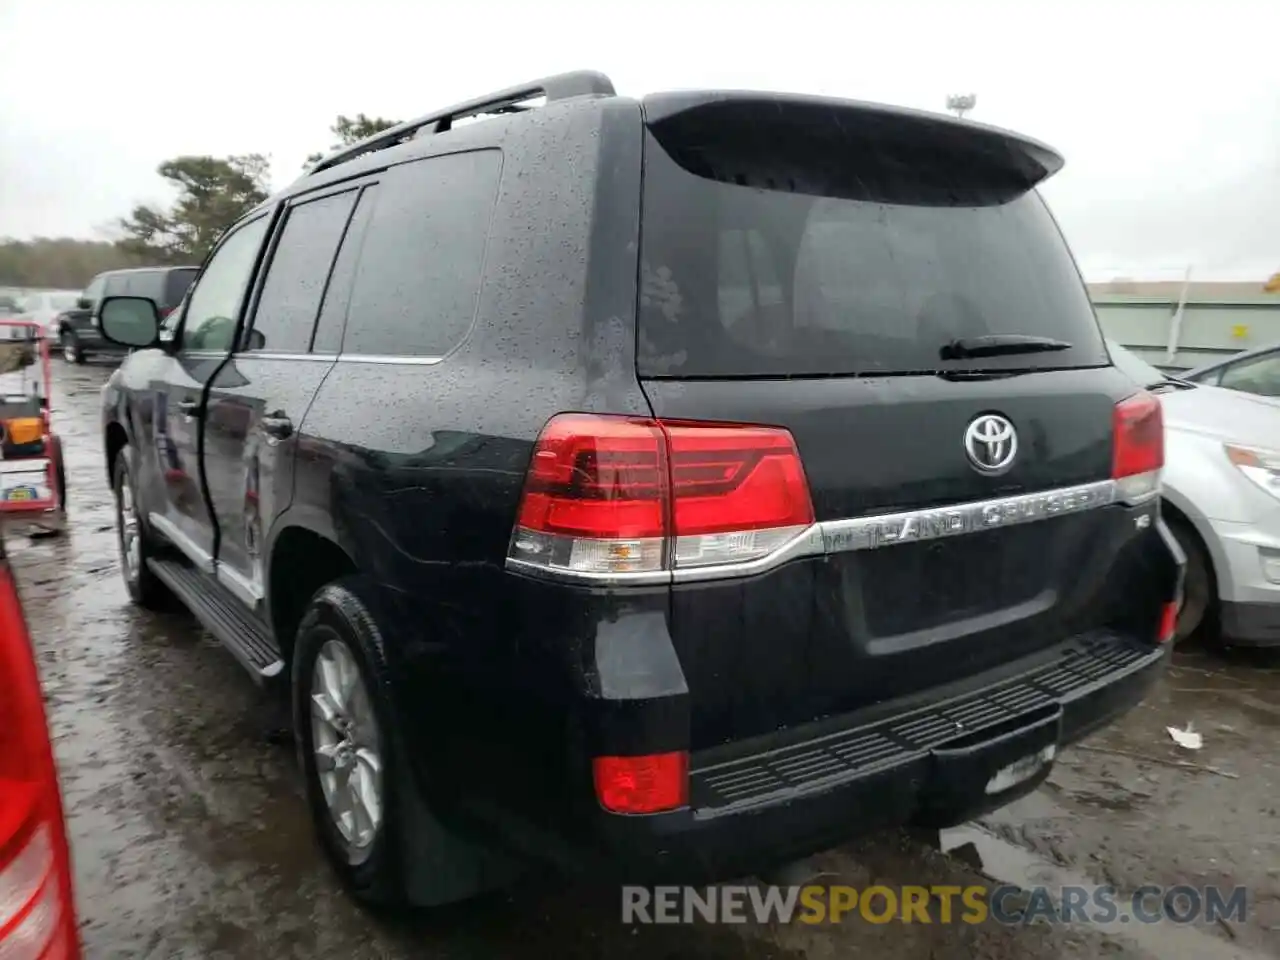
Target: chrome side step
237,629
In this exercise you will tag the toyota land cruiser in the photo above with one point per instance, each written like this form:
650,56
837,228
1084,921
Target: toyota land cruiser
664,487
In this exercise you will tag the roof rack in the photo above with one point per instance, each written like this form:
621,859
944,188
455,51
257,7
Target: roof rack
579,83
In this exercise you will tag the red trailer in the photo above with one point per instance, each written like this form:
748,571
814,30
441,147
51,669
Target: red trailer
33,487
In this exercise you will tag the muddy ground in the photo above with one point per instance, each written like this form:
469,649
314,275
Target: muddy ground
191,837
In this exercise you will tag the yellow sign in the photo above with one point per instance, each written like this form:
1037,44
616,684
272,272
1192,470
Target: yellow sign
1240,330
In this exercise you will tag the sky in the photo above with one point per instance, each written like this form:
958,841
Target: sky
1168,113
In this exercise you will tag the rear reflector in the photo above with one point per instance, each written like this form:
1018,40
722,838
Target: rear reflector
36,915
1137,451
648,784
626,495
1168,622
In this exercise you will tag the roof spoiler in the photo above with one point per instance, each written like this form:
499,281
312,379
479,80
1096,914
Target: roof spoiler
1031,160
562,86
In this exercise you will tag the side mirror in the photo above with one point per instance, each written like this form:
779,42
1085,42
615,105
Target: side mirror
84,303
130,321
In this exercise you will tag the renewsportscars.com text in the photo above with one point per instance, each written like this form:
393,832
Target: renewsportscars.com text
1009,905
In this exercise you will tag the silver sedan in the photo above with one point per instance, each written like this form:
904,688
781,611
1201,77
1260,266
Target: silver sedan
1221,489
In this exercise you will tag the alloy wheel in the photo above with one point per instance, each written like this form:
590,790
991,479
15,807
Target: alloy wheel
347,746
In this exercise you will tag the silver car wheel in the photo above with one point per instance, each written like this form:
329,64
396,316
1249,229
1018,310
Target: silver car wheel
348,747
127,525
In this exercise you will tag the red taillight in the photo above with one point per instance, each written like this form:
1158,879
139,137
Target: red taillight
1168,622
1137,451
626,495
730,478
598,477
647,784
37,918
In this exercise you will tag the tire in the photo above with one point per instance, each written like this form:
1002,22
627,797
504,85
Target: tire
404,856
72,352
145,588
60,484
1198,612
339,629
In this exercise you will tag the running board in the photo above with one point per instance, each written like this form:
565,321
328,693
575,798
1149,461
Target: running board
224,616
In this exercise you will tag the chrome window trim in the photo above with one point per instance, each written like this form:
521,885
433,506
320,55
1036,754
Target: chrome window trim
282,355
874,532
388,358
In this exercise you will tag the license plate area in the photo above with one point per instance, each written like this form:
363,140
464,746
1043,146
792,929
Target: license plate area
918,586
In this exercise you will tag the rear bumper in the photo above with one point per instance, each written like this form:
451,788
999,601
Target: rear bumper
929,764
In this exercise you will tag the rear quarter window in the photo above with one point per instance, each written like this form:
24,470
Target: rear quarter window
148,283
176,285
422,256
796,252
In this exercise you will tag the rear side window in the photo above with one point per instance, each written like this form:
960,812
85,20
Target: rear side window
298,274
422,256
1259,375
778,245
93,292
176,284
149,284
333,313
116,285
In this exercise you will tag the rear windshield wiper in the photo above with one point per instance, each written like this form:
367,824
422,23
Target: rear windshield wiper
999,345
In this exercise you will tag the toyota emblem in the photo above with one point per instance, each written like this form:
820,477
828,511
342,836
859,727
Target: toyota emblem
991,444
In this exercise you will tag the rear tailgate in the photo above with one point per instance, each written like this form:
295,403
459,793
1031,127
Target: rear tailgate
805,266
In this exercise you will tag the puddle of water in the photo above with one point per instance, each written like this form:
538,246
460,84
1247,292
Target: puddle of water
1005,862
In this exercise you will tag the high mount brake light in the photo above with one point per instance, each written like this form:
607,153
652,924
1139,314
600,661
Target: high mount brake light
1137,452
37,918
626,496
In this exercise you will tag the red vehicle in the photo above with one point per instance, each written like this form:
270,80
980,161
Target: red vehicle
33,486
37,909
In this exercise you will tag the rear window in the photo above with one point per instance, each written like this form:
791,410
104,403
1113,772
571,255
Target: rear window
784,244
177,282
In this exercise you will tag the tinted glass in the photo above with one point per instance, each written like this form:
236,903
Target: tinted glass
1259,375
94,290
422,256
115,285
789,252
333,314
149,284
176,283
299,271
214,305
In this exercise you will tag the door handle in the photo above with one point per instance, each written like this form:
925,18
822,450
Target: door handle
190,409
276,427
